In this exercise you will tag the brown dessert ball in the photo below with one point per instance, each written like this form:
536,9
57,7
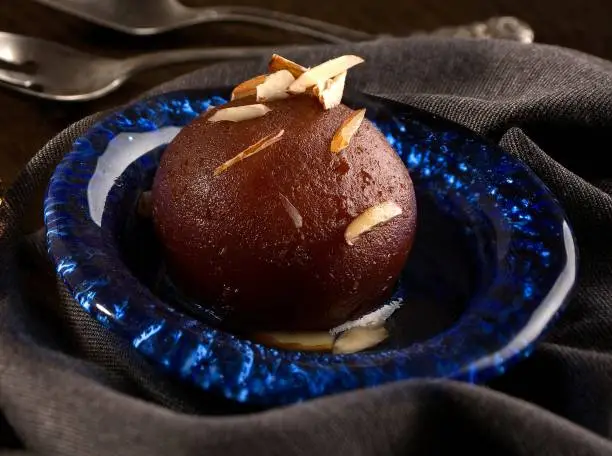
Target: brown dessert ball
262,243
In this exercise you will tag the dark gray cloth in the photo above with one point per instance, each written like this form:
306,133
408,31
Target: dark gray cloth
68,387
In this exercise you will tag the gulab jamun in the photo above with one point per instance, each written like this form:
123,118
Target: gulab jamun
271,226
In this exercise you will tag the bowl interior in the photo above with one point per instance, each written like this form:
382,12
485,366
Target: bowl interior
445,267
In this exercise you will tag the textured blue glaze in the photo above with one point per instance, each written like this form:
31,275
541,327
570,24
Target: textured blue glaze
506,211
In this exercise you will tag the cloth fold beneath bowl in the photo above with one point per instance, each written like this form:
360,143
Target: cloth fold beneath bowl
68,387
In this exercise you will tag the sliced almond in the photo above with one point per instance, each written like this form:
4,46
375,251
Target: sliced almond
330,95
324,71
293,213
358,339
370,218
319,87
249,151
373,319
275,86
144,206
239,113
278,63
300,340
248,88
344,134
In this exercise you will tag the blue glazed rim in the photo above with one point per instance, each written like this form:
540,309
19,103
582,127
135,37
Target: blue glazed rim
532,282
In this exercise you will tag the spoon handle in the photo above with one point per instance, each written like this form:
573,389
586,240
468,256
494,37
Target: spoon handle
509,28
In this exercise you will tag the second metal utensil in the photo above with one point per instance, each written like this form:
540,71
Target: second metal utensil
148,17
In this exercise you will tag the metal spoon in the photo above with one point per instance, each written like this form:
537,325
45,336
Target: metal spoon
56,72
150,17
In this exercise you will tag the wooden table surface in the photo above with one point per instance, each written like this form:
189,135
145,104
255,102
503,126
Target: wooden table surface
27,123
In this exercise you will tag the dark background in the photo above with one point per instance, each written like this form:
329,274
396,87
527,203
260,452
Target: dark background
27,123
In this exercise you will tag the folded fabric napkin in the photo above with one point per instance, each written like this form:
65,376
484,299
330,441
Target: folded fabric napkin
69,387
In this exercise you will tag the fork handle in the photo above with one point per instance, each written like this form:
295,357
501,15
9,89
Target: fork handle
306,26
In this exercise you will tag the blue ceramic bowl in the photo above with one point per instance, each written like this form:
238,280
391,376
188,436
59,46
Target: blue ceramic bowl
493,262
